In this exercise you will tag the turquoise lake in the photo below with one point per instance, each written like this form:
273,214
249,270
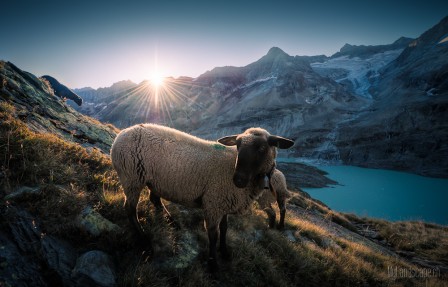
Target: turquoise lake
385,194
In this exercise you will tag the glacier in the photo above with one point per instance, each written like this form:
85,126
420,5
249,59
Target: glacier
361,73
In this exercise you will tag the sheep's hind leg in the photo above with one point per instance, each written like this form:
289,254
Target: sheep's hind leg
132,197
158,204
282,207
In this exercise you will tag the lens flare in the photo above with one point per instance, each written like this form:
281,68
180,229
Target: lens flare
156,79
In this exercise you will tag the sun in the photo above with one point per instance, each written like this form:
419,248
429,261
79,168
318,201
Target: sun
156,79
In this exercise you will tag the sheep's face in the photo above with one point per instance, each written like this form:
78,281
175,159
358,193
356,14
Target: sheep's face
256,154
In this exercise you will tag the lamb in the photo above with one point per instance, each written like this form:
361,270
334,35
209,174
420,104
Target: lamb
221,177
281,195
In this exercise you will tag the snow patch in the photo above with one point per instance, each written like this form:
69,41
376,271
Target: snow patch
360,72
257,81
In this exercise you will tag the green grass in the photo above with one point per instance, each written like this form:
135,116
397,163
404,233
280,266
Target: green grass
70,178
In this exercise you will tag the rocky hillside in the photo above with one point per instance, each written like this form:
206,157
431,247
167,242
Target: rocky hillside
37,105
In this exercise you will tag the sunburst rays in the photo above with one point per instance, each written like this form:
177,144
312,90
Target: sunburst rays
158,101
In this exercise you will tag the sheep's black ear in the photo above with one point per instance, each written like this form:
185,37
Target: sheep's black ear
280,142
228,141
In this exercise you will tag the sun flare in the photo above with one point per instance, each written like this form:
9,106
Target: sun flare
156,80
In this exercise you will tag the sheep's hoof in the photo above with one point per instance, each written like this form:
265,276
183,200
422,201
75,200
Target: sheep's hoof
225,253
143,242
281,227
213,265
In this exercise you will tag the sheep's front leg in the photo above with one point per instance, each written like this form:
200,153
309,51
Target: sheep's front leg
212,239
222,237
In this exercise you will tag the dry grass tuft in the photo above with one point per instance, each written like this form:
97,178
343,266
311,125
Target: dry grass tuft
427,240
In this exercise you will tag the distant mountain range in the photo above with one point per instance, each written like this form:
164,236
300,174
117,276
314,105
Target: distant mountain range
378,106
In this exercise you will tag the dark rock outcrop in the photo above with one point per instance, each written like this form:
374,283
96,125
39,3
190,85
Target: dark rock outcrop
299,175
94,268
62,91
52,259
29,257
16,269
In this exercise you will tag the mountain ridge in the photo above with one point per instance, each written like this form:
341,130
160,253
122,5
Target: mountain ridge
364,51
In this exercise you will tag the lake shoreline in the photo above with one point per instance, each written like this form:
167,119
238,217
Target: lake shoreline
386,194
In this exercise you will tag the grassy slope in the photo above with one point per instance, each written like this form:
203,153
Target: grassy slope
314,251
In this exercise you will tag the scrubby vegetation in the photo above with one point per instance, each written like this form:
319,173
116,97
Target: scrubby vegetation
314,250
425,240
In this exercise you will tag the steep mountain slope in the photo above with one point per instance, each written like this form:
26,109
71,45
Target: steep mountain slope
278,91
37,106
96,100
406,127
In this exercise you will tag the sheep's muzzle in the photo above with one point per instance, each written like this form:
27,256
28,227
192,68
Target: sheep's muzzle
240,180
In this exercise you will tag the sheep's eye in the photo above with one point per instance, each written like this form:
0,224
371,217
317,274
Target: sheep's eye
238,143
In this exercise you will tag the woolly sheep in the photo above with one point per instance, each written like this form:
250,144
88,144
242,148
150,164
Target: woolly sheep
217,177
282,194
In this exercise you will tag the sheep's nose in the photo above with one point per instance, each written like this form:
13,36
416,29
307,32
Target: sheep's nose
240,181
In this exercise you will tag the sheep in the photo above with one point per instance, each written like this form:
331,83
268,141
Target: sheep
221,177
280,194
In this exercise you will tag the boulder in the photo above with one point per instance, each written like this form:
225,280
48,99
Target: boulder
16,269
53,257
94,268
94,223
23,190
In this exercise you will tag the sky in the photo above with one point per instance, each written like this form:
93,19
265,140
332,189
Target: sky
96,43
